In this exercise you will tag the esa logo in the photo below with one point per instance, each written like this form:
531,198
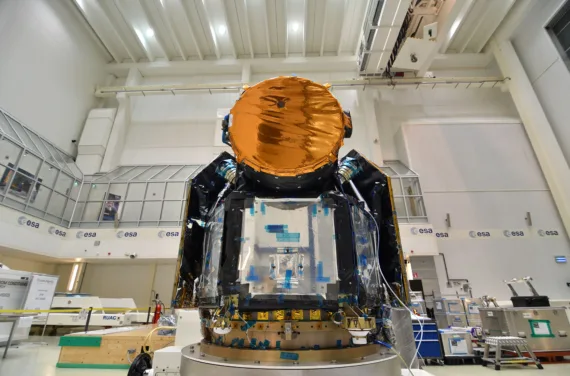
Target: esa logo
127,234
509,233
168,234
547,233
479,234
106,317
442,234
52,230
417,231
81,234
23,221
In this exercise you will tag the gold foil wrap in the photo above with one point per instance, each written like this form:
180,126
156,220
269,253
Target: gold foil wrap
315,314
287,126
297,314
262,316
279,315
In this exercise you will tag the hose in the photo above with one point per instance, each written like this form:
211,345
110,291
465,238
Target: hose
395,295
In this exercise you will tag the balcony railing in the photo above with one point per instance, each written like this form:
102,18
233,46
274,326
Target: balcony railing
134,196
35,176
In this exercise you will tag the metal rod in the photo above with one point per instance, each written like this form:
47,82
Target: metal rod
148,315
88,319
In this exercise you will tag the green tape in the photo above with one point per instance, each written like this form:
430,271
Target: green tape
93,366
80,341
541,329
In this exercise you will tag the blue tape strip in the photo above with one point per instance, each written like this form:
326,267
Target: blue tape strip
252,210
262,208
278,344
276,229
289,237
314,210
362,260
326,211
288,275
281,299
251,276
320,271
253,343
289,356
241,342
339,343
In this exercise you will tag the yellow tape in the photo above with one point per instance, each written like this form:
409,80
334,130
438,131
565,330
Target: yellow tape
77,310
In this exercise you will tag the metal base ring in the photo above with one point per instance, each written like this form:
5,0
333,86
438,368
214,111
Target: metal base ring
194,362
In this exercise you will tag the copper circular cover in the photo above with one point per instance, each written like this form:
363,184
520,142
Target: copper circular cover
286,126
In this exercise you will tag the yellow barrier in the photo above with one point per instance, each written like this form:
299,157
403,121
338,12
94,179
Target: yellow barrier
76,310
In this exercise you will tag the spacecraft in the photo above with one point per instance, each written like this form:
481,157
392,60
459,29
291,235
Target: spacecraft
290,254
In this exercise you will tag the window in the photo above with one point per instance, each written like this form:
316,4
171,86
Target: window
135,196
559,28
35,176
408,199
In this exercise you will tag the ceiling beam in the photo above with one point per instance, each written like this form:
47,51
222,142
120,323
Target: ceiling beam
230,66
79,9
164,12
248,30
305,21
189,25
157,36
499,15
266,20
456,16
224,12
444,82
138,35
212,30
286,28
323,34
475,29
344,27
117,34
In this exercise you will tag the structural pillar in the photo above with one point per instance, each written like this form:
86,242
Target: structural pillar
367,100
538,129
121,125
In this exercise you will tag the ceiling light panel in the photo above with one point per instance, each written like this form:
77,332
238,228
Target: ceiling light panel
135,15
217,22
295,13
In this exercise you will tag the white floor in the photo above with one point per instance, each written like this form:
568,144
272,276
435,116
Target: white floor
36,359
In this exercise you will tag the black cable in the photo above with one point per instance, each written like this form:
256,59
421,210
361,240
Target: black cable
140,364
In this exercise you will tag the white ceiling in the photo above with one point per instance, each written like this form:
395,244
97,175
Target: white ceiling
157,30
197,36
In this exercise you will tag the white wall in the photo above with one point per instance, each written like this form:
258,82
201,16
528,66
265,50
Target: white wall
398,106
485,175
49,68
545,68
182,128
130,281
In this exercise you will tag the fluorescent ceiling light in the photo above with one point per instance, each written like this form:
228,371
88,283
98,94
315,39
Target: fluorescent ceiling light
149,33
295,26
222,30
73,277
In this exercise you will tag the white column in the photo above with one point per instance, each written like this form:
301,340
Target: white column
121,125
538,129
367,102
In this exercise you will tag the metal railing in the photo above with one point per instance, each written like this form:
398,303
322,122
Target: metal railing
36,176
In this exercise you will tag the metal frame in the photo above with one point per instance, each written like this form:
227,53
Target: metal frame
36,146
122,175
397,178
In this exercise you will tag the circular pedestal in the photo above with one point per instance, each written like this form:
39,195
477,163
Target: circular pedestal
195,362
